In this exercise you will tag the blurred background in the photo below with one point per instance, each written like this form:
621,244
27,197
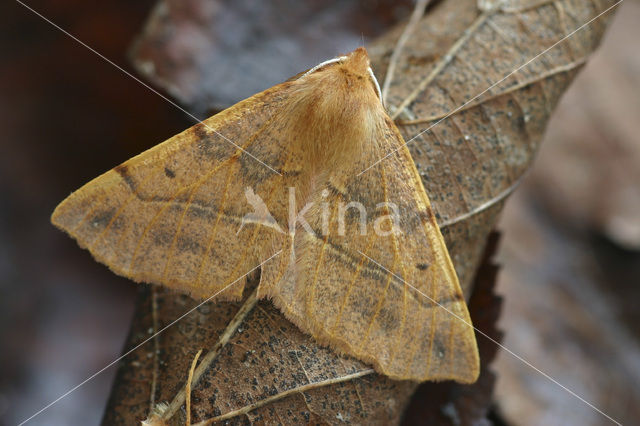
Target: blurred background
570,250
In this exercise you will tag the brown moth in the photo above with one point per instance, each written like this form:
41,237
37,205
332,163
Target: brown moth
355,259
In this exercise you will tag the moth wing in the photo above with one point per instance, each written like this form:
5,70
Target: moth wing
388,298
173,215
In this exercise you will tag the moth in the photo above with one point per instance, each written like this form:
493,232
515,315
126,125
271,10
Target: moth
353,257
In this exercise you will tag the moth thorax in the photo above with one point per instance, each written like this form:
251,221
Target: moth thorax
336,122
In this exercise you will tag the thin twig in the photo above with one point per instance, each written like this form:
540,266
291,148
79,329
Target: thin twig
284,394
487,204
188,387
446,59
156,347
417,13
233,326
514,88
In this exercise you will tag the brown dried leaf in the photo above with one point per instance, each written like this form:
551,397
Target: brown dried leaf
212,54
267,365
474,159
469,163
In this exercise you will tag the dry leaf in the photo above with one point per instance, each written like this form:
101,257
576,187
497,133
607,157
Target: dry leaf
474,159
267,361
194,49
469,164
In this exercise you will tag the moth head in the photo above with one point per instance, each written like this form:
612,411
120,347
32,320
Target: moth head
353,69
336,106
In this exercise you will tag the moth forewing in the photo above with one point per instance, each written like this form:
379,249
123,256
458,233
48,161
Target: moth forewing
199,211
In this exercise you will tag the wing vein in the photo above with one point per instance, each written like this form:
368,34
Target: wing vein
178,229
352,281
215,225
163,209
404,273
393,267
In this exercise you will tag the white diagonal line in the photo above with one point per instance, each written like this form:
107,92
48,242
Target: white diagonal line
494,85
520,358
147,86
143,342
